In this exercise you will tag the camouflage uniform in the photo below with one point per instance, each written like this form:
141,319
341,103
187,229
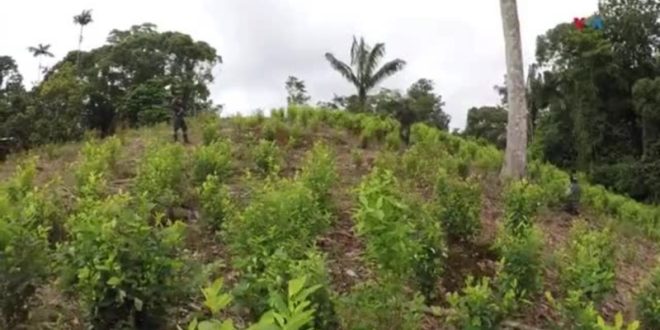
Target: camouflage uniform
179,121
573,197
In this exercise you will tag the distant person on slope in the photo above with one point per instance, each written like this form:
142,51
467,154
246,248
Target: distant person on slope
179,120
573,197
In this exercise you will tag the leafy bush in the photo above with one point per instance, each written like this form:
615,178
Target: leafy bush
578,314
160,174
213,159
275,130
284,215
373,305
479,306
375,129
458,205
319,173
521,203
125,272
393,140
211,129
551,180
401,237
216,204
270,273
290,312
521,266
98,159
648,302
23,254
22,181
267,157
587,262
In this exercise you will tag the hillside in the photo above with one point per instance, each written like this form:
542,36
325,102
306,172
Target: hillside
124,232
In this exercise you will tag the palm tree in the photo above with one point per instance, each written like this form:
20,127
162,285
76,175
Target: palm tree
83,19
362,71
40,51
515,157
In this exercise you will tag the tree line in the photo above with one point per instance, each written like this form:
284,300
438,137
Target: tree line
129,81
592,94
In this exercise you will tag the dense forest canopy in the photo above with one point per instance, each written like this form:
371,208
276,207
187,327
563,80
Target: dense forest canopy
593,97
129,81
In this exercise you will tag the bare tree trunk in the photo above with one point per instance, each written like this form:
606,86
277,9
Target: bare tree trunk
515,158
80,40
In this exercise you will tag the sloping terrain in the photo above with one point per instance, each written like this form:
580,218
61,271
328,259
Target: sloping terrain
350,206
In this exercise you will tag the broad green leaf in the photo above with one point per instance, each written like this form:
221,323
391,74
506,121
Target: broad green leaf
114,281
618,320
296,285
209,325
138,304
227,325
193,324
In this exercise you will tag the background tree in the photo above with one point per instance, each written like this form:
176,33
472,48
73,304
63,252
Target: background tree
41,51
84,18
595,99
516,147
296,91
419,104
487,123
362,72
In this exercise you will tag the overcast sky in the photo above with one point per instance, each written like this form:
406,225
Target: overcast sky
456,43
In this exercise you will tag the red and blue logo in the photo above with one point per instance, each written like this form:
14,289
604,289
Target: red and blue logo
595,22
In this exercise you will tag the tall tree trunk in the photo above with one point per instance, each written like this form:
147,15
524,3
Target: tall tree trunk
362,99
80,39
515,158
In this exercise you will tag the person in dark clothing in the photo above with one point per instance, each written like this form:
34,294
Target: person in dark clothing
573,197
179,120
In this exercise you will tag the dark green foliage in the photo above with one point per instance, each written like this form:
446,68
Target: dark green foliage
128,81
420,104
487,123
648,302
593,97
459,206
146,104
213,159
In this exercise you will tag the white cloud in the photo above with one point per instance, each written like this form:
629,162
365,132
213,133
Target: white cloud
458,44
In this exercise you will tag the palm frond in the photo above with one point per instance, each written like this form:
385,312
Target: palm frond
343,68
84,18
355,51
385,71
362,62
374,58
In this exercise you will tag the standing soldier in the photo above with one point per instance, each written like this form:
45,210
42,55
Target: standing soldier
573,197
179,121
